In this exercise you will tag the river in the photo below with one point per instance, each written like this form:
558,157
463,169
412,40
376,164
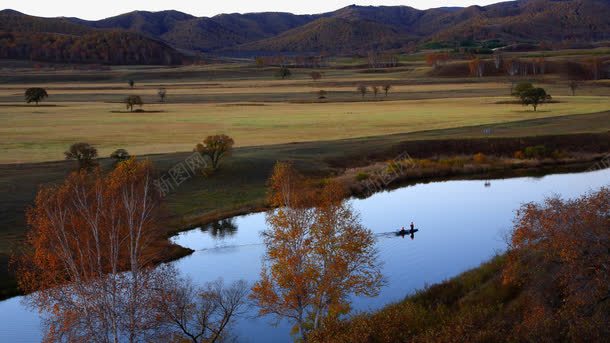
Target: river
461,224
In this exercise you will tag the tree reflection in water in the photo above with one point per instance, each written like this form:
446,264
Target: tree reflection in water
221,229
155,305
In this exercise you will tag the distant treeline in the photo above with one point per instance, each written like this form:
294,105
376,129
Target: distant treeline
107,47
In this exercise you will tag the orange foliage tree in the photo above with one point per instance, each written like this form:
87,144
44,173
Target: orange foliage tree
317,254
84,233
91,271
216,148
559,255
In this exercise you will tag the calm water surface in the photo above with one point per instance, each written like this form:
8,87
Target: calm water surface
461,223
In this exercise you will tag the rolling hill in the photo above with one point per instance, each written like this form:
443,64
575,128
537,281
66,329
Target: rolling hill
66,41
345,31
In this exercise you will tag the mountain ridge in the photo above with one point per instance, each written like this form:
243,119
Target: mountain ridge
351,29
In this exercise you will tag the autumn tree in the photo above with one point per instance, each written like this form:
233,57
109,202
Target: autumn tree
362,89
558,256
133,100
84,153
216,148
83,234
386,88
89,264
35,95
162,93
318,254
315,76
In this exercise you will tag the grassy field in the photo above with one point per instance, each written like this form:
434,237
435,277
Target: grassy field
33,134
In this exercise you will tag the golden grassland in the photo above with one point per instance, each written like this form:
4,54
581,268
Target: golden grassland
31,134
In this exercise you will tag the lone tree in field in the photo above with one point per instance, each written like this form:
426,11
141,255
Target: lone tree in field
283,73
120,155
35,95
375,90
318,255
362,89
216,148
535,97
132,101
162,92
573,86
131,83
387,88
315,75
84,154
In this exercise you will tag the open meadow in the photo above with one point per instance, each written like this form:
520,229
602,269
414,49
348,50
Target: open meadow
255,108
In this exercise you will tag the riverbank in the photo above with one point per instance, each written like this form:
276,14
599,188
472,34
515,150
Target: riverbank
550,285
240,186
461,309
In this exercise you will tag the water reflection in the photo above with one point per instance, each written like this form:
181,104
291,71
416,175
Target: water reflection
221,229
411,233
153,304
461,225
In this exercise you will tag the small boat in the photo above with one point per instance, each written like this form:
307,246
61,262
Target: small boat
404,232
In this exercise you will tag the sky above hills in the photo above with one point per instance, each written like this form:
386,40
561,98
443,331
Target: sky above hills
102,9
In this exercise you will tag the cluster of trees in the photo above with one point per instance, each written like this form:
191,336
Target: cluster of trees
364,89
437,59
86,155
316,61
519,67
382,60
215,148
107,47
89,266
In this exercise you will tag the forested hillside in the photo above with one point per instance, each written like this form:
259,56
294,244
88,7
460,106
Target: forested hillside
61,40
350,30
